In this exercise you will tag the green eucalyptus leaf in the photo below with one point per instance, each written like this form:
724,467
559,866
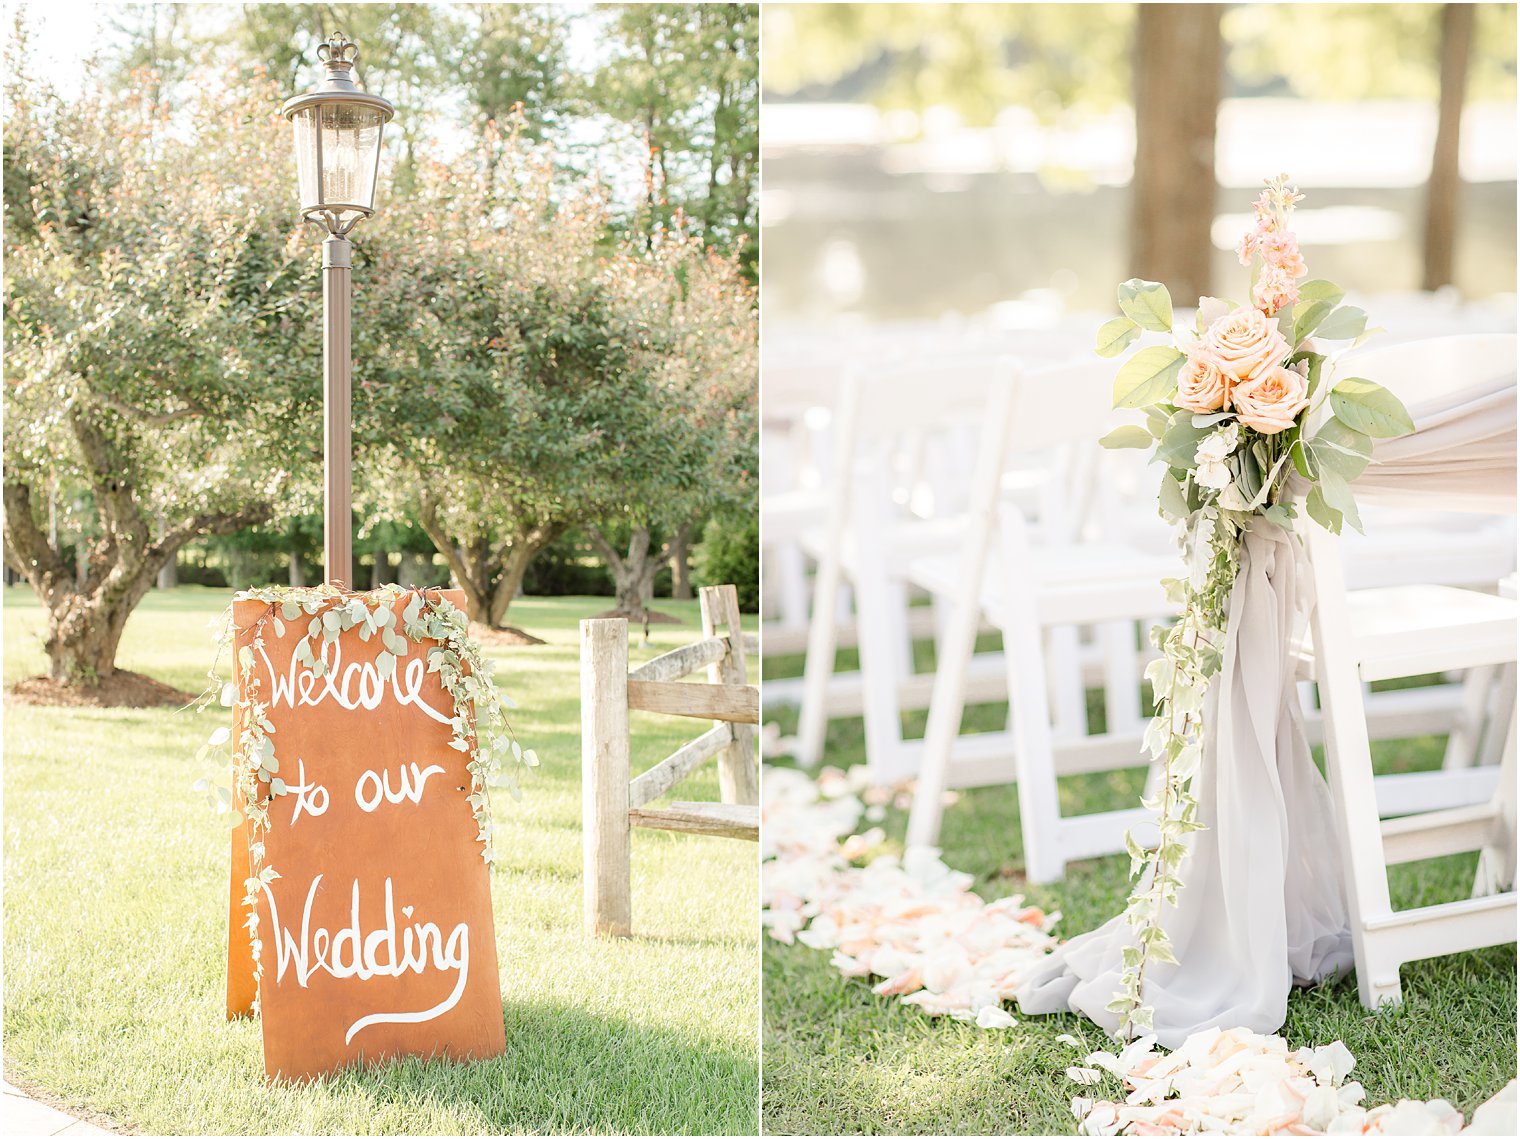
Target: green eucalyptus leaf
1369,408
1179,445
1131,435
1321,512
1345,323
1171,498
1147,303
1342,449
1321,291
1149,376
1338,497
1307,316
1116,335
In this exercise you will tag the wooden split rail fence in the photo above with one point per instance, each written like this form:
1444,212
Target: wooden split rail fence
612,804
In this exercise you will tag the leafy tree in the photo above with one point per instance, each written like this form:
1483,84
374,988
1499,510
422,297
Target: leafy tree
976,58
514,58
531,370
702,356
685,77
730,555
154,351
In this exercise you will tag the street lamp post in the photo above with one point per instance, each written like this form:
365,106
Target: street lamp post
337,136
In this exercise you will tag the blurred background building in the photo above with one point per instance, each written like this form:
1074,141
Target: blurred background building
1012,162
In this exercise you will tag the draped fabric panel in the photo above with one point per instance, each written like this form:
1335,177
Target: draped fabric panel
1262,905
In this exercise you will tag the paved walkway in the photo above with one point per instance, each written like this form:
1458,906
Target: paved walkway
20,1114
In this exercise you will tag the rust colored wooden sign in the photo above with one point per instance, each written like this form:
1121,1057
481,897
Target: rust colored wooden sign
376,938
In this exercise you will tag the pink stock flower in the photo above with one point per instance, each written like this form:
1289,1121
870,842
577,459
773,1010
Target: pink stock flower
1274,291
1279,250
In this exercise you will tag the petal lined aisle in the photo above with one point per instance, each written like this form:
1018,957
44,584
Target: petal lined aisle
913,928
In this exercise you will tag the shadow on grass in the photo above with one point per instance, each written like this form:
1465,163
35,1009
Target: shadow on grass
566,1070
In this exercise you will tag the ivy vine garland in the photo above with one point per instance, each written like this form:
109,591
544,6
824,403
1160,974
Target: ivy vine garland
428,621
1232,412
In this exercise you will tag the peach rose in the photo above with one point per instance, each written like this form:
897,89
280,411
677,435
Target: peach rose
1202,385
1271,402
1245,344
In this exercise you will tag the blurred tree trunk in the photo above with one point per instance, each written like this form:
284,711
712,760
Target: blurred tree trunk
168,577
1179,63
1445,172
680,564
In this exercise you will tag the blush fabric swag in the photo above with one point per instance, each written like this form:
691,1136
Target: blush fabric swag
1263,906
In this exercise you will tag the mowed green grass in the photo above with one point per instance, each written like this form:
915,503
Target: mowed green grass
840,1061
116,902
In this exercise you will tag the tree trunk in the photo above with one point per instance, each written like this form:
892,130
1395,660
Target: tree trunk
380,572
86,616
85,632
633,573
516,559
680,564
168,577
1445,169
297,570
1179,57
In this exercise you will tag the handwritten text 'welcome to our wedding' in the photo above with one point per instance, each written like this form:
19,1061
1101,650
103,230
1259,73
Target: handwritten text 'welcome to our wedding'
351,951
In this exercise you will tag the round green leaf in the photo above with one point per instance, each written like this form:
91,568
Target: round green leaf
1369,408
1147,303
1149,376
1116,335
1130,435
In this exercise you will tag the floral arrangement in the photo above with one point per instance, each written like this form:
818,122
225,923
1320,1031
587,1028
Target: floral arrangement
1234,413
480,726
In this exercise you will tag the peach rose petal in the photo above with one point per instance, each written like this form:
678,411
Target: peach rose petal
911,918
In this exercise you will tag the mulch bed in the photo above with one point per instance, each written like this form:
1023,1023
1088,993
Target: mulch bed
122,689
508,637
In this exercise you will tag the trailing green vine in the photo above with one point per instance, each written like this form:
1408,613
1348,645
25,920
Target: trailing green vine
427,621
1233,409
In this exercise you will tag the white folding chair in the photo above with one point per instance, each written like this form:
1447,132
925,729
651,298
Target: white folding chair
1364,635
878,426
1026,589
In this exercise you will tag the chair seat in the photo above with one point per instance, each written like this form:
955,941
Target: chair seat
906,539
787,515
1475,554
1411,630
1075,584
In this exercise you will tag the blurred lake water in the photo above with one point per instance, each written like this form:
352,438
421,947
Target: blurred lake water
867,215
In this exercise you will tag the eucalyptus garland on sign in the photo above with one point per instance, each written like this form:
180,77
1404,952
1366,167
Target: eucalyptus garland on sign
428,622
1229,406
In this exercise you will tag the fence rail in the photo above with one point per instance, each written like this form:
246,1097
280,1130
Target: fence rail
612,804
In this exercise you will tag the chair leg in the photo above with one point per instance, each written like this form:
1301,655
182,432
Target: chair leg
1496,861
1348,764
1377,976
1121,676
1463,739
1028,701
818,668
1067,695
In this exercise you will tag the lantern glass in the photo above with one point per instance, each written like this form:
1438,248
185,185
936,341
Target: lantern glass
337,157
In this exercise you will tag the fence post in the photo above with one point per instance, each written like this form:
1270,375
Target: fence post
736,763
604,777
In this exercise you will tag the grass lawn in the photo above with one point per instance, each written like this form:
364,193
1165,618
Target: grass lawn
839,1060
115,916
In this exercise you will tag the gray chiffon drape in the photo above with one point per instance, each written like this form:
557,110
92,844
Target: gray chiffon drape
1262,905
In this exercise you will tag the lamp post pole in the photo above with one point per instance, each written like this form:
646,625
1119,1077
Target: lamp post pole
337,408
337,134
